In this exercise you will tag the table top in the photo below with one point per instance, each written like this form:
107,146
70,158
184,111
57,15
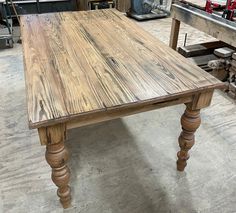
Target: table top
95,61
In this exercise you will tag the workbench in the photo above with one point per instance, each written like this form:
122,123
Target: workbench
93,66
214,25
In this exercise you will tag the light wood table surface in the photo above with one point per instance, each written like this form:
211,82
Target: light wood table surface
83,68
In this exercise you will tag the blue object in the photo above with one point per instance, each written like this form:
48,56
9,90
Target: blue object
138,7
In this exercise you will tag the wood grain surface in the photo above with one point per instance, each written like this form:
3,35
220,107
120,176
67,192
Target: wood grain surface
94,61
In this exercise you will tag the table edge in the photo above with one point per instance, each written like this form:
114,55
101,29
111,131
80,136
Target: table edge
144,103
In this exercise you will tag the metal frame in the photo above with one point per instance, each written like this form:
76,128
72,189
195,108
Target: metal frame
211,24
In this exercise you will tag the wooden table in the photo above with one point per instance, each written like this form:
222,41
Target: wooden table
211,24
82,68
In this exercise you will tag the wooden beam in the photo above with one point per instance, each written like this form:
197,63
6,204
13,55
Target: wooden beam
201,49
174,33
123,5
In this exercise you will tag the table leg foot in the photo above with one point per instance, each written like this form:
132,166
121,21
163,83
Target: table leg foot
190,122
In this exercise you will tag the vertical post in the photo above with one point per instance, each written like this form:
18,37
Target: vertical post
57,156
174,33
110,4
96,6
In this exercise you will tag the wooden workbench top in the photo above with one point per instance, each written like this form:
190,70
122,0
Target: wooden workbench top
91,62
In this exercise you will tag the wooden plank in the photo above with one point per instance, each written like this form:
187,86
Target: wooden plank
217,27
83,5
224,52
201,49
100,62
174,34
123,5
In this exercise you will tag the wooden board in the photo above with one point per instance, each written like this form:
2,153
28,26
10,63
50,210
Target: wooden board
94,61
83,4
201,49
123,5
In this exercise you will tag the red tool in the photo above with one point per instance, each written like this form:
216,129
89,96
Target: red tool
210,6
229,11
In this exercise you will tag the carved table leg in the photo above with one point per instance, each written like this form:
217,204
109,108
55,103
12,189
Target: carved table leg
57,156
190,122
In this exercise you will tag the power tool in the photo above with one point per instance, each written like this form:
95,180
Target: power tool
211,5
148,9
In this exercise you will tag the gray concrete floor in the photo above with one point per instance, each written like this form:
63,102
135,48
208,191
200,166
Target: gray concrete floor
121,166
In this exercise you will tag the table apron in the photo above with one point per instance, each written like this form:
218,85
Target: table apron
122,112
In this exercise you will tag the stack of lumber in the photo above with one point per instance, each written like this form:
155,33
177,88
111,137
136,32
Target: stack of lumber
232,78
216,58
229,55
203,55
223,63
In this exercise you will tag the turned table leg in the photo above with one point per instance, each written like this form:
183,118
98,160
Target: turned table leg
57,157
190,122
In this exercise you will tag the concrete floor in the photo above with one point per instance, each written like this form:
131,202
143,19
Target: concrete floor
122,166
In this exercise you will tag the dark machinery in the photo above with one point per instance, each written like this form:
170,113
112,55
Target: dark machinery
100,4
148,9
6,37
